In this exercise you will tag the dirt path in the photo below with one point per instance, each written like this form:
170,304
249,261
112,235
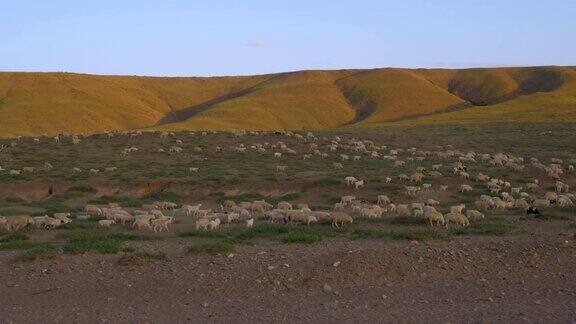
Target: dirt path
468,280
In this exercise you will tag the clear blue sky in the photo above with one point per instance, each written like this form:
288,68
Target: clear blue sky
179,37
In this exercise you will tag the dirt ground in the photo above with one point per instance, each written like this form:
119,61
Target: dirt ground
471,279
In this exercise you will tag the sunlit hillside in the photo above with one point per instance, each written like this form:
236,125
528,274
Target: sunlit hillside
51,103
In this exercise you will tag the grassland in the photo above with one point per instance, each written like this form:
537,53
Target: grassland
149,175
51,103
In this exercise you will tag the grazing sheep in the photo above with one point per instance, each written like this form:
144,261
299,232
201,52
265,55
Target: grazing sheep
457,218
412,191
541,203
562,187
231,217
551,196
358,184
161,224
347,200
457,209
64,217
296,216
202,223
564,201
383,200
276,215
466,188
92,210
106,222
435,218
339,206
482,205
284,205
350,180
191,210
201,213
521,203
341,218
214,224
474,215
311,219
143,222
15,223
250,223
37,221
402,210
51,223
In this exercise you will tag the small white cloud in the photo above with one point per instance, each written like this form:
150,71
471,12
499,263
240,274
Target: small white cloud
255,44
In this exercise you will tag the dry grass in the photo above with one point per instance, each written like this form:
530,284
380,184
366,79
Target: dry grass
37,103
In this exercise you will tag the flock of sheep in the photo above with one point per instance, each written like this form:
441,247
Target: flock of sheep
419,184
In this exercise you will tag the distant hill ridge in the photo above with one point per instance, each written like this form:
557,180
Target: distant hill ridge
51,103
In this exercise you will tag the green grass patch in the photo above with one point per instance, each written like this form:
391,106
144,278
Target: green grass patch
328,182
14,237
495,229
210,247
53,205
100,241
418,234
278,232
408,220
92,242
301,237
18,245
44,251
14,200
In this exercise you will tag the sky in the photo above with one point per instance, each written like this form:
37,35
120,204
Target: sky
206,38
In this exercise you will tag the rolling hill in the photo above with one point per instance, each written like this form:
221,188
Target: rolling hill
51,103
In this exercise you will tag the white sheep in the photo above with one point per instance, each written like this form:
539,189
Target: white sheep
202,223
457,218
457,208
358,184
106,222
350,180
474,215
383,200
